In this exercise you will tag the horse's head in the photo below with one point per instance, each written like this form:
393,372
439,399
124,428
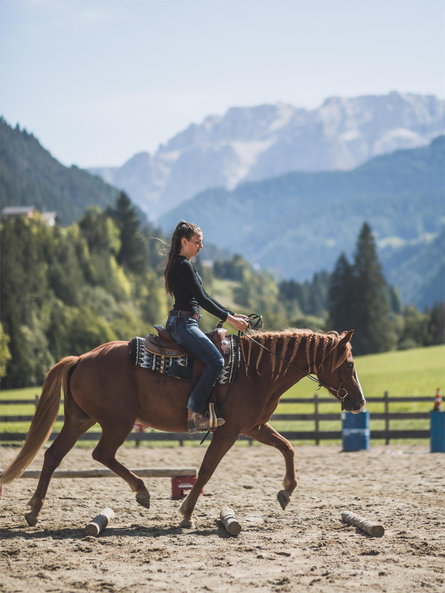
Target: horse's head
338,374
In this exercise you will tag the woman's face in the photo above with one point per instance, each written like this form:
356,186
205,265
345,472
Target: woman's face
191,247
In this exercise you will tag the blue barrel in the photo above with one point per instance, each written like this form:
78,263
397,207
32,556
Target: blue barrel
355,431
437,433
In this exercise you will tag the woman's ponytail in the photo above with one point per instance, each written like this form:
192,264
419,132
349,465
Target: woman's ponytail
183,229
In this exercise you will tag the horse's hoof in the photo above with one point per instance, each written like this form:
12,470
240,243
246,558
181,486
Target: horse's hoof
187,524
31,519
143,500
283,498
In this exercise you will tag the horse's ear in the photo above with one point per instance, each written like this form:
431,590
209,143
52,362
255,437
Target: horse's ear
345,337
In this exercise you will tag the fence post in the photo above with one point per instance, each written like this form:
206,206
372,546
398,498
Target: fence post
386,401
138,429
36,400
317,420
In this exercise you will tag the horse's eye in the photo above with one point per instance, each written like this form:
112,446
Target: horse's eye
349,364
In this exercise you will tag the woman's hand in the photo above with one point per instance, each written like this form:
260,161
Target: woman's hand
238,321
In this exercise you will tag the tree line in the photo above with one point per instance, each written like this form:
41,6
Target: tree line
65,290
360,297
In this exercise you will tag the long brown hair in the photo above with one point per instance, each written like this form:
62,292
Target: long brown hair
183,229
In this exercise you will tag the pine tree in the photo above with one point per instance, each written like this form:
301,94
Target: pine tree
373,327
341,296
437,324
319,293
133,253
360,299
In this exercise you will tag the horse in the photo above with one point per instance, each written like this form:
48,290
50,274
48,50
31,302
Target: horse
103,386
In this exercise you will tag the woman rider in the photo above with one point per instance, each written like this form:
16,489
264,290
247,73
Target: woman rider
184,283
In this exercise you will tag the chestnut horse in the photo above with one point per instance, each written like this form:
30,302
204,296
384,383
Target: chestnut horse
102,386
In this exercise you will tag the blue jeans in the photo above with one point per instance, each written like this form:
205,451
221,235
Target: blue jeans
186,332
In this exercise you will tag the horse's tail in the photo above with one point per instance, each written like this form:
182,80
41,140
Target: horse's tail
44,418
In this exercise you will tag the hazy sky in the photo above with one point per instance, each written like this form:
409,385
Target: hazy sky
99,80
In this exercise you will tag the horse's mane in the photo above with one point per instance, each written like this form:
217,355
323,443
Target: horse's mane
320,348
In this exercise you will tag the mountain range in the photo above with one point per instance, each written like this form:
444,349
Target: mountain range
255,143
299,223
294,224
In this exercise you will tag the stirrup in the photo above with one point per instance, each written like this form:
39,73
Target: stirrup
214,421
204,424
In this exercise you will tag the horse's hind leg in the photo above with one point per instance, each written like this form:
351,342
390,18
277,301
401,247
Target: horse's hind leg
105,452
269,436
74,426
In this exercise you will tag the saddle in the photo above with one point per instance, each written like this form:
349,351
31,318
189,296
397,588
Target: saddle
162,354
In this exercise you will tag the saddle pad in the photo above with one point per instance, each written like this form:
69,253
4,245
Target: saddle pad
181,366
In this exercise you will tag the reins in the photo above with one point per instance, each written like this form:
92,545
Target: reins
256,322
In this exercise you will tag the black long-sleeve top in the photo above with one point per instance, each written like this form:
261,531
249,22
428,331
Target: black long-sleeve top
188,291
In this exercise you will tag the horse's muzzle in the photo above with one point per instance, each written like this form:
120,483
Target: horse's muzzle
354,409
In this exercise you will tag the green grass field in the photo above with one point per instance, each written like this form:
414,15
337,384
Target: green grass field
402,373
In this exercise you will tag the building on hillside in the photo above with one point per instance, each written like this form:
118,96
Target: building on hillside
51,218
13,211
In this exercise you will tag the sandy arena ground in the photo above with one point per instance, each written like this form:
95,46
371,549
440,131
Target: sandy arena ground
305,548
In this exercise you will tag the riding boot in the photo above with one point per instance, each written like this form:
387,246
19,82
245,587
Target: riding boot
199,423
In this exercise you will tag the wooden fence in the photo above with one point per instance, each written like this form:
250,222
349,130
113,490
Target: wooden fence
315,434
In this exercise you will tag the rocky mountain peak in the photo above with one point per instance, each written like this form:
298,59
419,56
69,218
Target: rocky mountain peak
254,143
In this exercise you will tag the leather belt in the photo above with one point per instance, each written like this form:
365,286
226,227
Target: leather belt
181,313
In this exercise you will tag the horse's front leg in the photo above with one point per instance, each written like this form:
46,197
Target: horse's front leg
264,433
222,441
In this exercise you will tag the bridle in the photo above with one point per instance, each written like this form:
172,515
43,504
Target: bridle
255,323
